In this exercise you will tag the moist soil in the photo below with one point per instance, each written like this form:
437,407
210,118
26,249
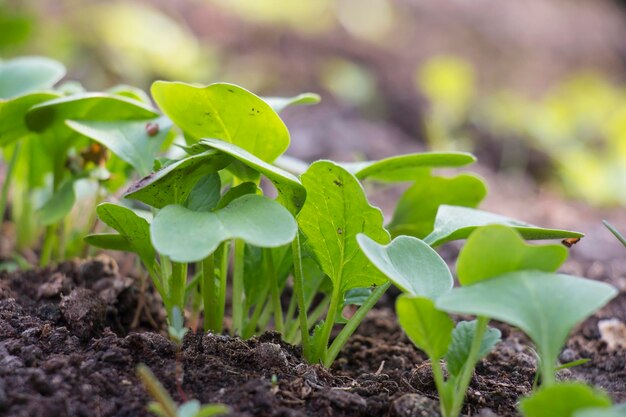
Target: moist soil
71,337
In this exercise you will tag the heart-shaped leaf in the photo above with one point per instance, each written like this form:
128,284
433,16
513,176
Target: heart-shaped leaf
291,193
407,167
462,337
417,208
545,306
563,400
336,210
224,111
172,184
453,223
428,328
410,264
12,124
495,250
21,75
280,103
189,236
129,140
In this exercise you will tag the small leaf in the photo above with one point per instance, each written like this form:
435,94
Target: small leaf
495,250
224,111
172,184
410,264
59,205
545,306
428,328
12,123
459,349
453,223
335,211
25,74
109,241
416,209
280,103
205,195
407,167
563,400
190,236
291,193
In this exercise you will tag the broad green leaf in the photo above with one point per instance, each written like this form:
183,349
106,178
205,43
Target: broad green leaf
336,210
189,236
563,400
224,111
172,184
22,75
206,194
109,241
12,122
410,264
459,349
52,114
615,411
417,208
495,250
129,140
453,223
59,204
280,103
236,192
428,328
407,167
133,228
291,193
545,306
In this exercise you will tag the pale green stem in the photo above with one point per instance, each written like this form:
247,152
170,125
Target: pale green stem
238,290
279,325
209,295
298,288
4,197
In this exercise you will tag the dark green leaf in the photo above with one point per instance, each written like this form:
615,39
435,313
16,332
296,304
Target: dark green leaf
459,349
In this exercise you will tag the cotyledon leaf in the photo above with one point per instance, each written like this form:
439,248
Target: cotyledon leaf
189,236
410,264
291,193
224,111
21,75
336,210
454,222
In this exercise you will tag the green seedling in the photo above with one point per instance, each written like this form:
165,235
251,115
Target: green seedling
567,399
164,406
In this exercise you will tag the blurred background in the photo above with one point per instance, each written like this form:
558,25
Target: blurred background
535,88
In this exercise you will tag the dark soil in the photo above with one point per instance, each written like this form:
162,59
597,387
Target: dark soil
67,349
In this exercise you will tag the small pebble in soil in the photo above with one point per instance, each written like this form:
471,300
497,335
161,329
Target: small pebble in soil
414,405
613,332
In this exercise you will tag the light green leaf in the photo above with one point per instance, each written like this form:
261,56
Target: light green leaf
224,111
129,140
280,103
410,264
131,92
109,241
453,223
133,228
172,184
212,410
563,400
59,204
407,167
495,250
336,210
206,194
12,123
545,306
428,328
615,232
52,114
190,236
188,409
615,411
291,193
22,75
417,208
459,349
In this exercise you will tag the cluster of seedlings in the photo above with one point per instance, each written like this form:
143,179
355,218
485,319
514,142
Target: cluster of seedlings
199,221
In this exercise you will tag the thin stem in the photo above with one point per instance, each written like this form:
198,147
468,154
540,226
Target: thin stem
265,316
298,288
468,369
223,256
279,325
178,281
291,323
547,371
251,326
48,245
209,295
4,197
353,323
440,383
238,292
321,349
314,317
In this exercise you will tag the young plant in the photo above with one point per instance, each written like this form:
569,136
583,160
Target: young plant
492,254
569,399
164,406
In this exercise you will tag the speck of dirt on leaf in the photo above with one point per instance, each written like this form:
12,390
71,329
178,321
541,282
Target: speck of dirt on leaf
152,129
